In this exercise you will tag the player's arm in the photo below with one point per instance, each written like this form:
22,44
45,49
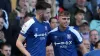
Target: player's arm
20,46
23,35
78,41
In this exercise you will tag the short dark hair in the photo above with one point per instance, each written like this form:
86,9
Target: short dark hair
42,5
64,13
4,44
79,11
29,14
96,44
51,19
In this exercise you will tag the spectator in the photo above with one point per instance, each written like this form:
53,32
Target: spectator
84,29
32,5
94,37
87,44
80,5
49,51
95,52
79,16
16,20
53,7
6,5
66,4
95,23
53,22
2,37
5,49
92,5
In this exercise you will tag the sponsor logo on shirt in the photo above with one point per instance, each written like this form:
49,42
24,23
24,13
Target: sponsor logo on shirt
40,35
63,43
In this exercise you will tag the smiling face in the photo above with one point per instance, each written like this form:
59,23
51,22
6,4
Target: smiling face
64,21
47,14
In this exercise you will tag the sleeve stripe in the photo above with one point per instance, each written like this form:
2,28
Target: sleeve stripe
76,33
27,25
53,30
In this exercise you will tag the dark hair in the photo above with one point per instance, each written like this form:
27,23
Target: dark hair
51,19
64,13
96,44
42,5
4,44
79,11
29,14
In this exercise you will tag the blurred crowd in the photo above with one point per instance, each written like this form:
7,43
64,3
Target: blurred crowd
85,18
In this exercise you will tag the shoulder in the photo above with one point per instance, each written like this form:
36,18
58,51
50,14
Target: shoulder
75,33
93,21
73,30
54,30
30,22
27,25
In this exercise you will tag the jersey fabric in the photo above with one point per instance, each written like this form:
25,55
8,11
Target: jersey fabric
93,53
35,34
64,42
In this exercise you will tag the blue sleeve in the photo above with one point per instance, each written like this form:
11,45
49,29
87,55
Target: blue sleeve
77,37
27,28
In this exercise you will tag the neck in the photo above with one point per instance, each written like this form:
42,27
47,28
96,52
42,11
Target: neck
62,28
78,22
38,18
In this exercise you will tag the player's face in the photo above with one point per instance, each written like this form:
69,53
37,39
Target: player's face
48,13
64,21
42,15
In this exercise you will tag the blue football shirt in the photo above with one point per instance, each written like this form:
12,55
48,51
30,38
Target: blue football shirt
93,53
64,42
35,34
